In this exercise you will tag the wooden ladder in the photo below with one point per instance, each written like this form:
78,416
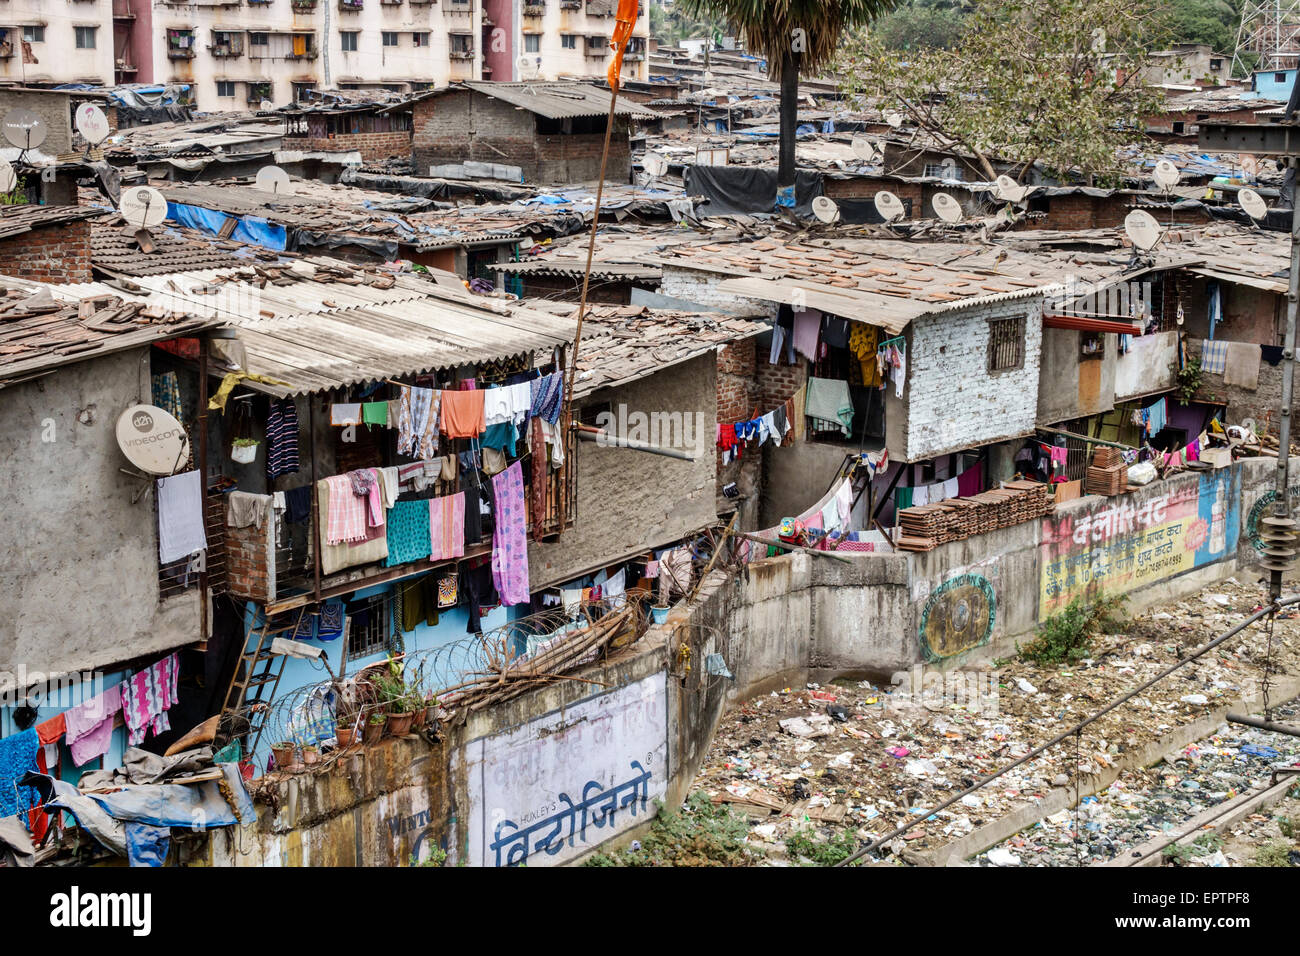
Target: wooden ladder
257,677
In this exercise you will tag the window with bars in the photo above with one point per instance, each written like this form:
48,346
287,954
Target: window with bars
1006,344
367,626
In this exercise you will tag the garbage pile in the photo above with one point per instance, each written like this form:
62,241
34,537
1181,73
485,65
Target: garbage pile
861,757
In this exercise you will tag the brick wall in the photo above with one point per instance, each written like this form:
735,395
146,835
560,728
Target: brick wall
250,561
1100,212
700,287
775,383
372,146
54,253
866,187
461,126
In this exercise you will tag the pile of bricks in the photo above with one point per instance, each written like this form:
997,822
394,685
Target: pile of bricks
1107,475
925,527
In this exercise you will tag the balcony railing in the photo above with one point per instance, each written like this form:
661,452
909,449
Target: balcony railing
177,53
226,50
461,54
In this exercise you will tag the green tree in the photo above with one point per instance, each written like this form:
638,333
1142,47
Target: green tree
794,36
1204,21
919,24
1051,81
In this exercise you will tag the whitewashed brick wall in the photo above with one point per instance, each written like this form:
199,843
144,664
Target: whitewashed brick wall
699,286
953,400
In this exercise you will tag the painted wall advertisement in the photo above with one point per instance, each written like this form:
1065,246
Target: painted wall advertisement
551,789
1130,541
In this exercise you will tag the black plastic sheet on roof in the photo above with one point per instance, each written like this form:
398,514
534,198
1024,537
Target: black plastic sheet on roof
747,190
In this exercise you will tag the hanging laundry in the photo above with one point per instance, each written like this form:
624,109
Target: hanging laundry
146,698
501,436
244,509
447,527
345,413
520,400
920,495
166,390
496,406
835,332
547,396
180,517
807,329
902,498
510,537
782,347
282,438
1154,417
17,758
409,533
462,413
539,479
971,481
555,440
862,343
331,620
375,413
950,488
1214,355
448,592
828,401
365,483
897,357
346,519
89,725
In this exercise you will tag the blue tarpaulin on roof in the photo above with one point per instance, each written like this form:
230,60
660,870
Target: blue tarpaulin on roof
251,229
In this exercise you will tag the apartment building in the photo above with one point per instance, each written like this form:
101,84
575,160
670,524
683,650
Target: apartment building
234,54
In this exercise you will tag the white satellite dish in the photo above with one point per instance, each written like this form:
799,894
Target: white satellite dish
142,206
152,439
864,149
1142,228
23,128
8,179
654,164
946,208
92,123
1008,190
266,106
527,67
1166,175
273,179
889,206
825,209
894,119
1253,203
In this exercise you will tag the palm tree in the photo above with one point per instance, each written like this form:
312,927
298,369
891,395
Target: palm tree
793,35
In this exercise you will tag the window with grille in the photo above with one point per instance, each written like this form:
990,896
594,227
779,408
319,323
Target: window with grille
569,41
532,43
1006,344
390,37
85,37
225,87
367,626
349,40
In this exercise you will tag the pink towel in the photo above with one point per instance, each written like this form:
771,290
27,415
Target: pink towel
90,725
807,329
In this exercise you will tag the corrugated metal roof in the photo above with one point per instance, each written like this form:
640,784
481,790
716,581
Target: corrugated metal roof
318,335
554,100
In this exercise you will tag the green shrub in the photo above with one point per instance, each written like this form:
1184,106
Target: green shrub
704,833
826,853
1067,636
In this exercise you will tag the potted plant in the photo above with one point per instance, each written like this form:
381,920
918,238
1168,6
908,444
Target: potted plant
244,450
310,754
419,710
346,736
283,754
374,729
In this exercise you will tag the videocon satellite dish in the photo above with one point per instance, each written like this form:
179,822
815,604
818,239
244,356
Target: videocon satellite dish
1142,228
889,206
1008,190
92,123
8,179
23,128
654,164
1166,175
1253,203
273,179
825,209
864,149
894,119
142,207
946,208
152,439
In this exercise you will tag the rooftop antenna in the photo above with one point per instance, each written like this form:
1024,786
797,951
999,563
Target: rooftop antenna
1142,230
24,129
946,208
273,179
1253,203
92,124
889,206
1166,176
1008,190
826,209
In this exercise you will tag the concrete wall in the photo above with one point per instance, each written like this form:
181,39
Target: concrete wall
79,577
1061,364
622,506
57,58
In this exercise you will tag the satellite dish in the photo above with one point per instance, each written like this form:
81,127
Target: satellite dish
825,209
23,128
143,207
92,123
864,149
273,179
894,119
889,206
1142,228
527,68
8,179
1008,190
152,439
654,164
1253,203
946,208
1166,175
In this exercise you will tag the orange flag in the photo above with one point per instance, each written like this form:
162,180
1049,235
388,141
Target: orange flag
624,21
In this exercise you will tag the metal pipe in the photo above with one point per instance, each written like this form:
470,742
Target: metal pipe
1282,504
1202,650
1289,729
588,433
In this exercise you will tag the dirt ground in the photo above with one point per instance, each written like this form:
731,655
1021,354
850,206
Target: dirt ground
817,769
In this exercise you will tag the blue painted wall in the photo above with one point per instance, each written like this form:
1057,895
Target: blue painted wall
1266,85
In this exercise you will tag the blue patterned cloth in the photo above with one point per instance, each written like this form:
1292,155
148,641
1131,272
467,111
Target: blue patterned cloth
1214,355
547,394
408,532
17,757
